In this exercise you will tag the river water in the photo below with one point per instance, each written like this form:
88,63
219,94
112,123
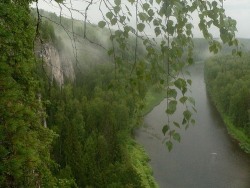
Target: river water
206,157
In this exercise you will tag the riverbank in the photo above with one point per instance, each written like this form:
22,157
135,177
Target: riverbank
206,157
237,134
228,88
137,155
152,99
140,162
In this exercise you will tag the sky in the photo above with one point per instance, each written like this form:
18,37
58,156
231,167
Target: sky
240,11
237,9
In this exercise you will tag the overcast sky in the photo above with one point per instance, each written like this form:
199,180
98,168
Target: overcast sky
237,9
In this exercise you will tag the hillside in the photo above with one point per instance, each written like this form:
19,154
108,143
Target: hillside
227,80
72,93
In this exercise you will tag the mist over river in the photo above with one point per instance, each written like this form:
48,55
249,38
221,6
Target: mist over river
206,157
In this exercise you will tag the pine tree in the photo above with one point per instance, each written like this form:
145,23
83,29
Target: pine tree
24,142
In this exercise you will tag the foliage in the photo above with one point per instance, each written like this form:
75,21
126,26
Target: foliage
171,48
93,120
92,115
140,160
25,143
227,80
153,97
47,32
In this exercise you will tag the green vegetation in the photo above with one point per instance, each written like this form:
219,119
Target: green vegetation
228,83
94,121
24,142
139,160
79,134
153,98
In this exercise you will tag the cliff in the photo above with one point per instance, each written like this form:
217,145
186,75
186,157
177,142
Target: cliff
58,65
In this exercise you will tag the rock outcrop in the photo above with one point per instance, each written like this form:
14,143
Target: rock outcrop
58,65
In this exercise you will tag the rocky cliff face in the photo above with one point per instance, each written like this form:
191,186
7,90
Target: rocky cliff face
57,65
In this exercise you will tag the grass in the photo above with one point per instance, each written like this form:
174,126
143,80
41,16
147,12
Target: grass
137,154
153,98
237,134
139,160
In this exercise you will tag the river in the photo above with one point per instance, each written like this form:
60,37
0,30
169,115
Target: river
206,157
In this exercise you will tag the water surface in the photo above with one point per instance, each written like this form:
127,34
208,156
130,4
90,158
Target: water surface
206,157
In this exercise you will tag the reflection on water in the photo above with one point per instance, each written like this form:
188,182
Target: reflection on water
206,156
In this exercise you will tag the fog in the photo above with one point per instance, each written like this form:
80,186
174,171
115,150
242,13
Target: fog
238,10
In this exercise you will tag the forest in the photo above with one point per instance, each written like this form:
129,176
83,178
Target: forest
227,80
90,119
94,119
73,127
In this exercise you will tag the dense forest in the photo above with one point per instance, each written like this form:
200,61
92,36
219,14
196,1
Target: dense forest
94,118
89,117
73,127
228,82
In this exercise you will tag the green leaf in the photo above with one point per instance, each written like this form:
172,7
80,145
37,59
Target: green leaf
151,12
109,15
189,26
156,22
187,115
102,24
122,19
118,33
145,6
183,99
110,52
170,27
157,31
118,2
143,16
189,82
214,4
171,107
169,145
178,83
140,27
177,137
127,28
165,129
184,121
125,34
172,93
117,9
176,124
113,21
181,84
158,1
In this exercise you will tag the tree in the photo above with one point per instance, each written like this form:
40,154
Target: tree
224,76
160,57
25,143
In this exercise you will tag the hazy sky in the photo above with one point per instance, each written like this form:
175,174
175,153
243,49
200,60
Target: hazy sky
237,9
240,11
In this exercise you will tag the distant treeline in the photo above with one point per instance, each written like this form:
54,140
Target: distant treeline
228,84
